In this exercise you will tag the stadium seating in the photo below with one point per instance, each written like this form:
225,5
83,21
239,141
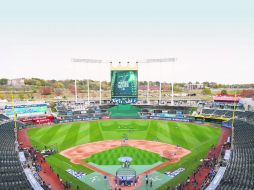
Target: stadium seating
245,115
220,113
239,174
3,118
208,111
240,170
12,175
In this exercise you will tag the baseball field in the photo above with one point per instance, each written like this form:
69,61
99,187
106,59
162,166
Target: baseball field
197,139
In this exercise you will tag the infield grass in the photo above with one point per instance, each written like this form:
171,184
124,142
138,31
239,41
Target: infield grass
139,157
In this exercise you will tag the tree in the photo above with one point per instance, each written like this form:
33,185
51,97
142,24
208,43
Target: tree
105,85
38,83
30,96
157,83
28,82
46,90
224,92
72,89
21,96
247,93
58,91
206,84
59,85
1,96
3,81
206,91
52,106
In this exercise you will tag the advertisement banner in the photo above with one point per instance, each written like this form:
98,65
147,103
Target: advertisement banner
78,175
175,173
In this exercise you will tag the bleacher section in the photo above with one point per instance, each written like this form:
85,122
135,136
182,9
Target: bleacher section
245,115
239,174
70,113
12,175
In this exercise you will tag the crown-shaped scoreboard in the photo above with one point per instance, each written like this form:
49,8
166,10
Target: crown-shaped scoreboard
124,83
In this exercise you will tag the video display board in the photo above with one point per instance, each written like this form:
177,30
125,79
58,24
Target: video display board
124,86
26,109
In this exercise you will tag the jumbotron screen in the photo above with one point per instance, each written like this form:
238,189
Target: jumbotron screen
124,84
26,110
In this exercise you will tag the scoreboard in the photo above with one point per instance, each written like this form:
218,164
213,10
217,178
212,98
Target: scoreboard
124,86
26,110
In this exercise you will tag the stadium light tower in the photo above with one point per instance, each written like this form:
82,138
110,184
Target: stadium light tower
163,60
80,60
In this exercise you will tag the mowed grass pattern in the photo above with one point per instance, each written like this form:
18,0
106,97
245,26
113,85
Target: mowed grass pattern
198,139
110,157
63,136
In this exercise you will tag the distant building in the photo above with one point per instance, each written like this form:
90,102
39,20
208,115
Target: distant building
193,86
16,82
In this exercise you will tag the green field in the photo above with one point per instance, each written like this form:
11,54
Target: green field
139,157
194,137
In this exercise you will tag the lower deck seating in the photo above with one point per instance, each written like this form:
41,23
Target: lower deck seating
12,176
239,174
245,115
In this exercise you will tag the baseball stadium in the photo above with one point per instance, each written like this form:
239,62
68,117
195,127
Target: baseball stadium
126,142
126,95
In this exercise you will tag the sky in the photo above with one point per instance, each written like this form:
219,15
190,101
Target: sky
212,40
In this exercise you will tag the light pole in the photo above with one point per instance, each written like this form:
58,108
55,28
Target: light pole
100,92
160,94
88,92
75,89
172,93
172,86
163,60
160,60
147,93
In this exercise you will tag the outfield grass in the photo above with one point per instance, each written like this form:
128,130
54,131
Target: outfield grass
139,157
194,137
